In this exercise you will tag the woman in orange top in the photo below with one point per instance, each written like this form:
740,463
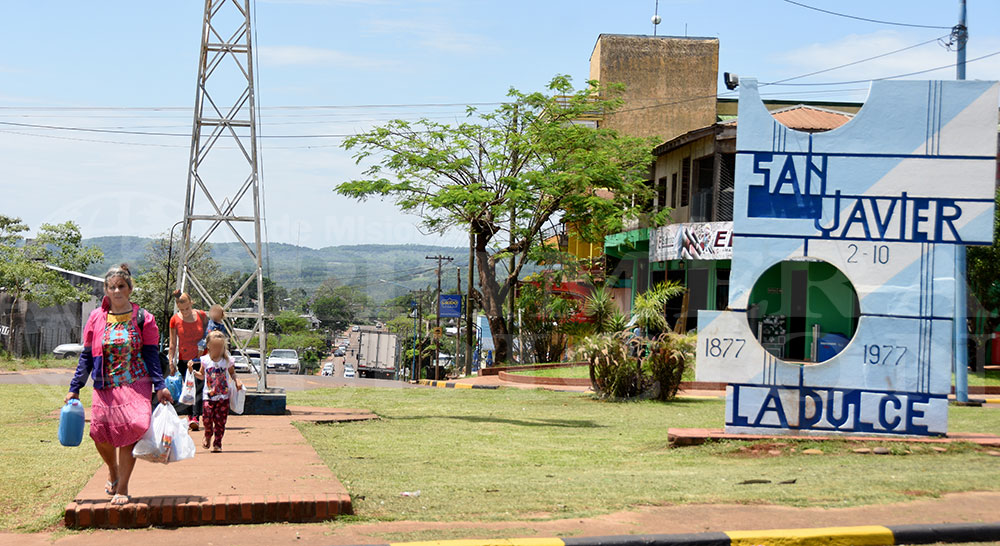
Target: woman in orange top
187,328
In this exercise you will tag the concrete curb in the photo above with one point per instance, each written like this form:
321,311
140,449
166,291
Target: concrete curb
865,535
453,385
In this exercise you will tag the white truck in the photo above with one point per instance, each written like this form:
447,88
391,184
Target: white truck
377,354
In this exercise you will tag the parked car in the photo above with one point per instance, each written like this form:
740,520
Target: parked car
348,371
339,352
355,328
244,365
68,350
328,368
283,360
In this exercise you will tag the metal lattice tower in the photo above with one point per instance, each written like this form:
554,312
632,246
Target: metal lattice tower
223,175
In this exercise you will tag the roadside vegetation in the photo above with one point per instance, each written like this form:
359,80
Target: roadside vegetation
9,363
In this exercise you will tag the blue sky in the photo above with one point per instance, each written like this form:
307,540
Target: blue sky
345,53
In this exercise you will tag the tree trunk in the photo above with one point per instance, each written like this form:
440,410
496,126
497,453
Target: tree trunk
491,302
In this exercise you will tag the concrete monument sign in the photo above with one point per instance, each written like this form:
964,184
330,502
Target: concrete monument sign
876,208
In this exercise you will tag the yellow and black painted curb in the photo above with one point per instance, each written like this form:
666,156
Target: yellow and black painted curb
867,535
453,385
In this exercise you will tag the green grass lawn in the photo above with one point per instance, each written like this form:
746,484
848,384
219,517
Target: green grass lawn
990,378
575,371
38,476
8,364
581,372
513,454
516,454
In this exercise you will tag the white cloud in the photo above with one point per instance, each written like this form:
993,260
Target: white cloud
290,55
852,48
432,34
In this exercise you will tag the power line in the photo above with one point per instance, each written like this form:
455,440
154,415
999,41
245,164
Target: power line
856,18
281,107
859,61
895,76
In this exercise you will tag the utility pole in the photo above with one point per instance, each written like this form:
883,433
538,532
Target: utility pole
219,122
437,318
420,327
960,33
458,321
468,305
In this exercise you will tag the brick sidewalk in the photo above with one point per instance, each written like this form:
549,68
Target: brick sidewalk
267,472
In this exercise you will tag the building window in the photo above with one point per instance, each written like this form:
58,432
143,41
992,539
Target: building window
661,194
685,181
673,190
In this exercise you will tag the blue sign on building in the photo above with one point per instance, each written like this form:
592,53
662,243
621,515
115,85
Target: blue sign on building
450,305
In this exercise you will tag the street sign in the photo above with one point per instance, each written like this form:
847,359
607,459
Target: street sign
450,305
437,332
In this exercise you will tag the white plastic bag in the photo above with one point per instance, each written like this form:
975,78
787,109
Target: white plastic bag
157,442
187,392
166,439
183,443
237,397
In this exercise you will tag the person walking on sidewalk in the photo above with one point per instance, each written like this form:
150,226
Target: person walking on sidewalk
120,353
187,329
216,369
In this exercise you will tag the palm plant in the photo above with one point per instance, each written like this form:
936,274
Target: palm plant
600,308
650,307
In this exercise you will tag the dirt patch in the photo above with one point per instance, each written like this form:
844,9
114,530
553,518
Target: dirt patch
759,450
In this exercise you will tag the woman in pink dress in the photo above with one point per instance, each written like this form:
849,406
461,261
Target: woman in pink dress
120,353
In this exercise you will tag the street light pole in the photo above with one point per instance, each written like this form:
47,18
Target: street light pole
961,326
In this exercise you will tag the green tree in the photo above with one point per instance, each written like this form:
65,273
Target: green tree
23,272
546,317
983,275
337,306
154,286
291,323
504,174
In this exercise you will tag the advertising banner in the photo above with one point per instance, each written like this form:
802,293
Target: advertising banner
450,305
693,241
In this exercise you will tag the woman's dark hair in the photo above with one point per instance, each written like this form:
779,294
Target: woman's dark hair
122,271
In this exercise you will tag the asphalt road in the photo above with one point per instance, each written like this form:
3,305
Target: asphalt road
286,381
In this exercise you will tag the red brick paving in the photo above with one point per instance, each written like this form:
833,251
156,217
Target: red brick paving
267,472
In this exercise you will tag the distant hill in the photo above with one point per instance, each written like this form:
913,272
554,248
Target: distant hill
302,267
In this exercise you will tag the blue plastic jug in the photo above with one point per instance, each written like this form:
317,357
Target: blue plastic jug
71,423
174,385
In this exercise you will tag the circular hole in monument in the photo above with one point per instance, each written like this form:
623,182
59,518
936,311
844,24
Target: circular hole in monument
803,311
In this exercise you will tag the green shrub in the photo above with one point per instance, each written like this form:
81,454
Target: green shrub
667,358
623,366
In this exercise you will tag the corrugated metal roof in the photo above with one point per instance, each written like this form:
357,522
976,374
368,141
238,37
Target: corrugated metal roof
808,118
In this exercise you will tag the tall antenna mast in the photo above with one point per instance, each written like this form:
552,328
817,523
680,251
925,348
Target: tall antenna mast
656,16
223,163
